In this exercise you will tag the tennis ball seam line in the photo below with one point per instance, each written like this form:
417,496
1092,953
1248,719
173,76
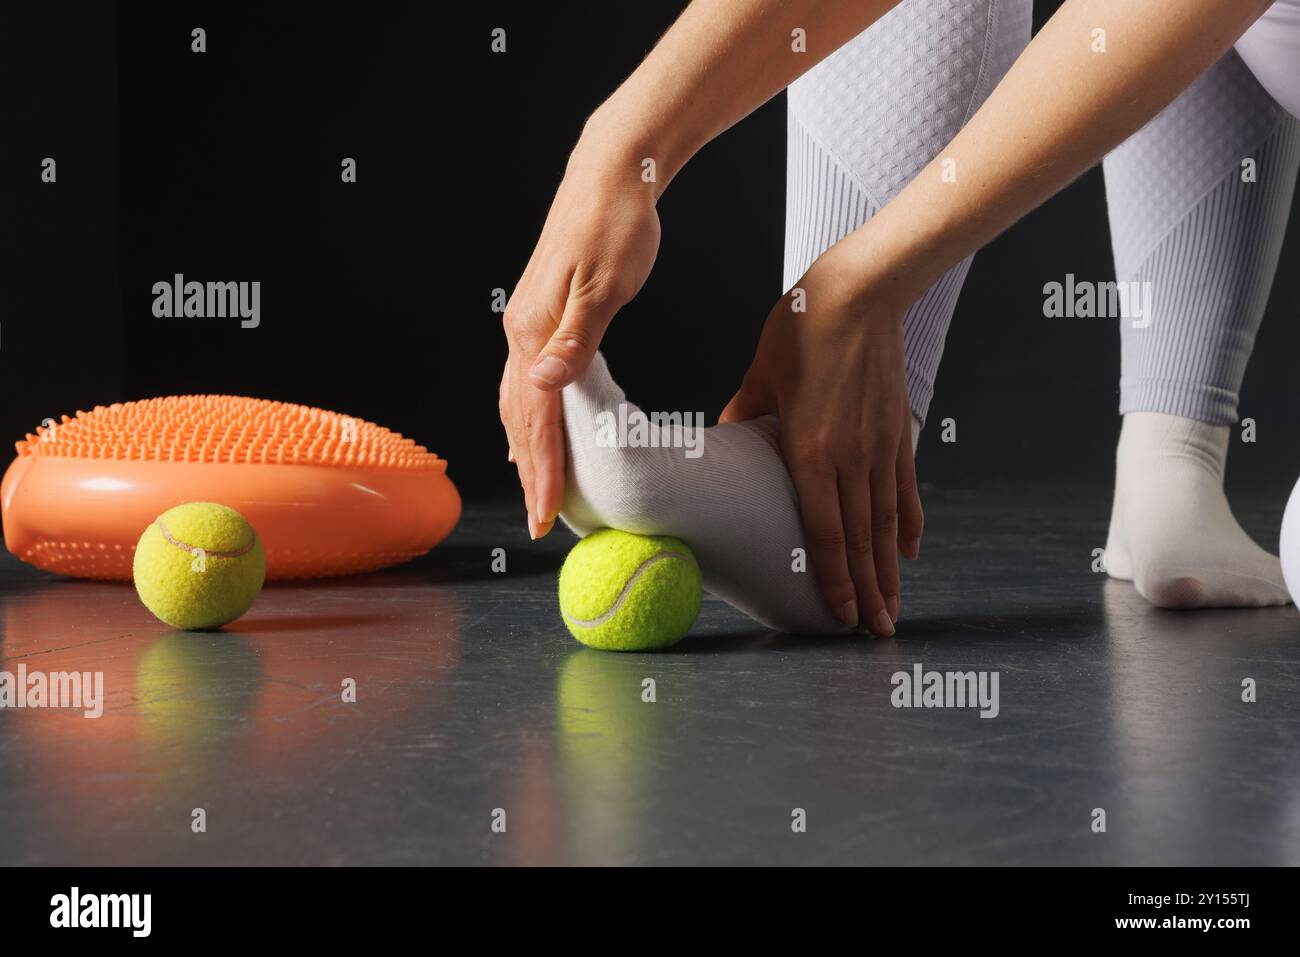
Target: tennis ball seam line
627,590
195,549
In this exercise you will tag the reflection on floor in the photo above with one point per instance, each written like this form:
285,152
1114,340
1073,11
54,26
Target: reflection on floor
474,707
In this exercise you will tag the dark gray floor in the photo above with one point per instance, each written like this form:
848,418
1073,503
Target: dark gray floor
472,697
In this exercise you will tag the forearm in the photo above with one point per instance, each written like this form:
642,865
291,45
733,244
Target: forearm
721,60
1058,111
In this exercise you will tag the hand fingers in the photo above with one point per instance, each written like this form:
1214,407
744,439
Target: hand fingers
502,414
512,417
737,410
819,507
533,419
505,410
746,404
561,359
570,349
856,502
911,519
884,544
544,422
524,463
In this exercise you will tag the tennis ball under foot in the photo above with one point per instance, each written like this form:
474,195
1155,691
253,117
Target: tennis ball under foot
624,592
199,566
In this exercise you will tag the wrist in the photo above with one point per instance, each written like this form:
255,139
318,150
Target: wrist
862,284
887,266
628,150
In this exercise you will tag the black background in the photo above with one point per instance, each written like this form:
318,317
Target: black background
376,295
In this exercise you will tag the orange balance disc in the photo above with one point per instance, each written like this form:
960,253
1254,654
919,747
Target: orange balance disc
327,494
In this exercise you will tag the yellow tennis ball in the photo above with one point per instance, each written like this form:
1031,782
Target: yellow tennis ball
199,566
624,592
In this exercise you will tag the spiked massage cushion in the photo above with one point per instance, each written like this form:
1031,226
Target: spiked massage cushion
327,494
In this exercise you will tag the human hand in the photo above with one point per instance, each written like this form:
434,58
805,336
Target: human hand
594,254
835,376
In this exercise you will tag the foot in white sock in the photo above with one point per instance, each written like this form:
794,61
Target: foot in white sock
1171,531
734,503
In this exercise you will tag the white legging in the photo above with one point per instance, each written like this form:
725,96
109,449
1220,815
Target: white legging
1271,48
1183,217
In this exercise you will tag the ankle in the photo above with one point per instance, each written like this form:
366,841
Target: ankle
1173,440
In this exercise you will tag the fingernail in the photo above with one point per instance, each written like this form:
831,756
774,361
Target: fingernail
881,624
532,527
510,456
849,613
548,370
545,528
892,606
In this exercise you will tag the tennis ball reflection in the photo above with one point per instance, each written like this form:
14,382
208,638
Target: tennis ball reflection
612,741
195,691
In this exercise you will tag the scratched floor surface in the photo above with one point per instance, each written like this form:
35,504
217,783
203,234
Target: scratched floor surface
474,706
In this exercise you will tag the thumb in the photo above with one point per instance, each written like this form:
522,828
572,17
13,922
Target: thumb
572,346
747,403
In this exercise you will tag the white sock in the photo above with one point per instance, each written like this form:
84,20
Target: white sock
734,504
1171,531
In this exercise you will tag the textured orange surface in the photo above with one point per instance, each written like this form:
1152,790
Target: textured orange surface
226,428
328,494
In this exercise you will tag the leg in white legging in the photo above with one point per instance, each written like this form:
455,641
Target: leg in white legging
1185,219
1271,48
871,116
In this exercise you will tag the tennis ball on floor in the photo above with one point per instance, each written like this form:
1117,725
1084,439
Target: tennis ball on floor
624,592
199,566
